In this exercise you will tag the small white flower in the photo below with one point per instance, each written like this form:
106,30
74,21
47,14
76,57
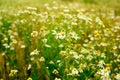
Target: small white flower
54,32
103,44
55,71
34,34
75,71
29,66
3,54
80,70
61,35
6,39
6,46
42,59
61,45
32,58
105,77
66,10
74,35
51,62
57,79
101,63
22,46
35,52
105,73
14,71
14,41
12,48
117,76
44,40
31,8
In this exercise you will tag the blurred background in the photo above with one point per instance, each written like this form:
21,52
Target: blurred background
12,5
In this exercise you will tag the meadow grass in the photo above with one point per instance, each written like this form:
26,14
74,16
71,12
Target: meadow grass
59,40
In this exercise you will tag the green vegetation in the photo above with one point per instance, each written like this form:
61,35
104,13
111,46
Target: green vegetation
59,40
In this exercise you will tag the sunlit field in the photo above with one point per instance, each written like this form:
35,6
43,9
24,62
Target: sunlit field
59,39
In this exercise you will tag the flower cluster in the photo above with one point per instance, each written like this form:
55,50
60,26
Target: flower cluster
57,41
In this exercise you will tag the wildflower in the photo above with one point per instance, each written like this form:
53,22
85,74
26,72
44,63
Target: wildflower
66,70
42,59
105,77
22,46
12,48
91,38
29,66
55,8
11,75
14,41
14,71
34,34
6,46
72,52
74,23
10,32
55,71
6,39
61,45
12,37
57,79
74,71
56,35
81,56
66,10
62,53
54,32
74,35
51,62
35,52
105,73
41,30
115,47
80,70
89,57
101,63
82,65
32,58
29,78
117,77
103,55
31,8
75,79
3,54
103,44
76,56
99,21
44,40
15,34
62,35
